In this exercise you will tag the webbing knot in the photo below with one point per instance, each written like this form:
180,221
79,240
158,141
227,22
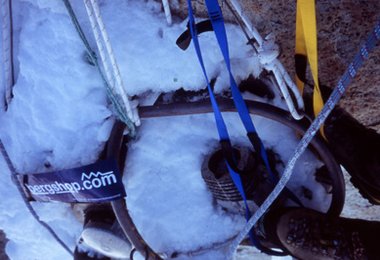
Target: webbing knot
268,51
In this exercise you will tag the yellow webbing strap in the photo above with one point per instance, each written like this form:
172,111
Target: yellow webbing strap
306,45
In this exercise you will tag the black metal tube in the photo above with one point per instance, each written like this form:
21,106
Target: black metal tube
225,105
120,206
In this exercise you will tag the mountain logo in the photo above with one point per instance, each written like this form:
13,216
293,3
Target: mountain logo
95,175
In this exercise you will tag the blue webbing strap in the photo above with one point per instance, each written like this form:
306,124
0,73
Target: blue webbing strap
217,21
334,98
221,126
222,129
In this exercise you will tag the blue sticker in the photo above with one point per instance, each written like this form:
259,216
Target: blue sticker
98,182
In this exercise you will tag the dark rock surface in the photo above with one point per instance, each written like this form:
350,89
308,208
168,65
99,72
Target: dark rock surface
3,241
342,26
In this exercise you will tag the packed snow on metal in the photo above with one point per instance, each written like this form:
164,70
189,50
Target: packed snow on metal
59,118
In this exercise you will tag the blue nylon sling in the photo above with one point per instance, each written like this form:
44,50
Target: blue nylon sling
218,25
217,21
221,126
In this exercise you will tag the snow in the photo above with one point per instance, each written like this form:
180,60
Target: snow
178,173
59,118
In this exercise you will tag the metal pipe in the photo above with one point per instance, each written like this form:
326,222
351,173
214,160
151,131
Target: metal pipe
7,50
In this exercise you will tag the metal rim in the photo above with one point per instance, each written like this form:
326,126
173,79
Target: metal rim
226,105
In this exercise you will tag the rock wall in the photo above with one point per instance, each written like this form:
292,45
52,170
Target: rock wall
342,26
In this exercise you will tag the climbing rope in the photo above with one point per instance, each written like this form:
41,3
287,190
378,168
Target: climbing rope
268,52
103,42
335,96
7,49
120,102
26,201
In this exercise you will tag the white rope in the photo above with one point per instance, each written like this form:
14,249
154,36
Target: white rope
168,15
106,53
247,22
6,50
268,53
